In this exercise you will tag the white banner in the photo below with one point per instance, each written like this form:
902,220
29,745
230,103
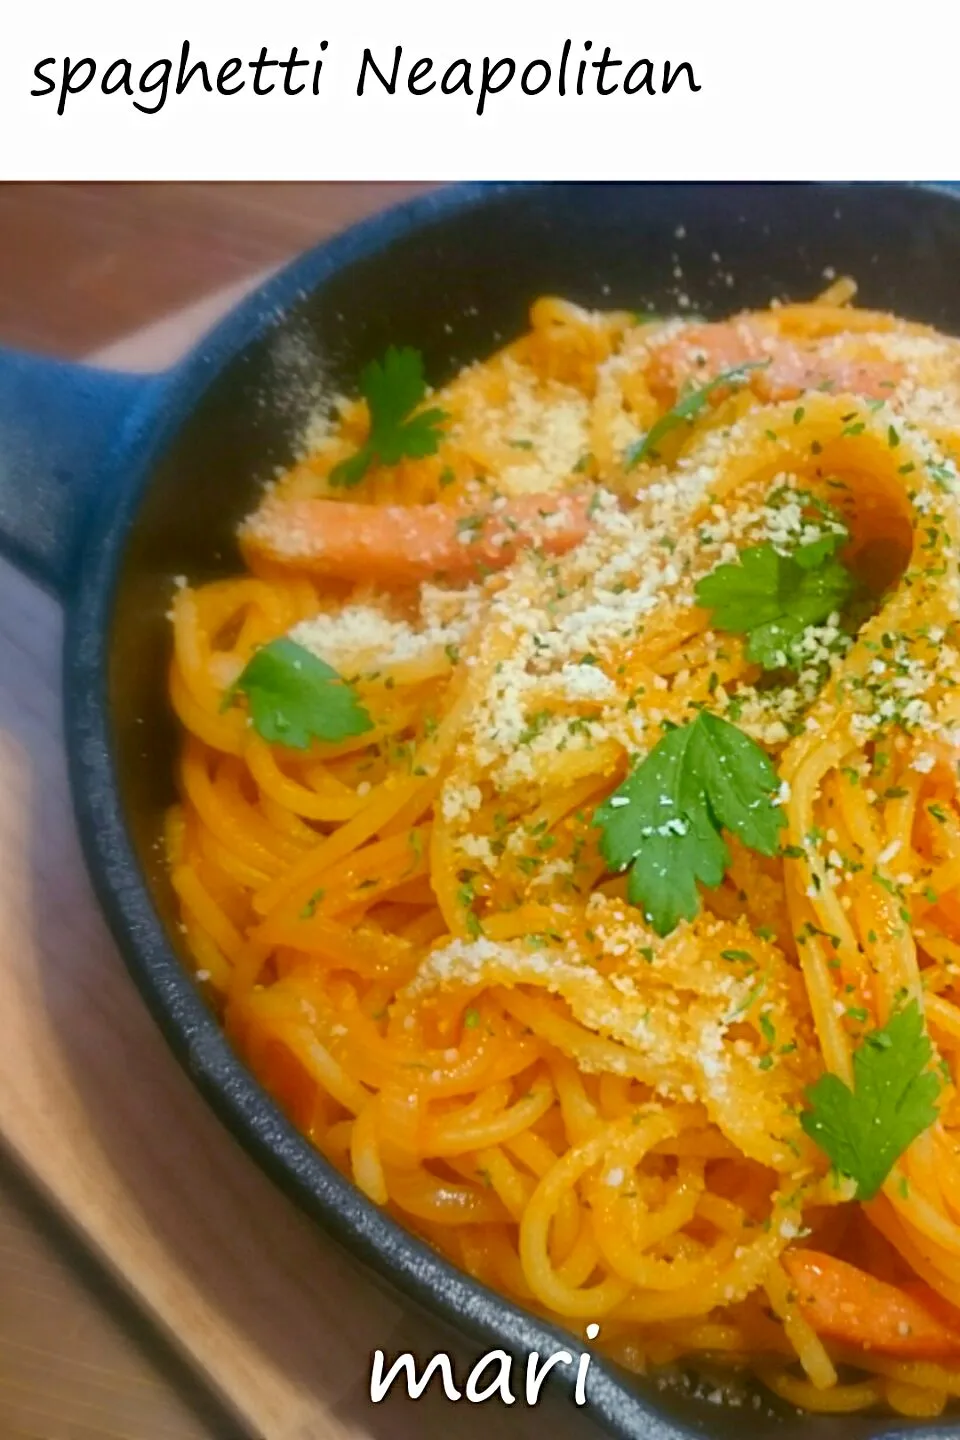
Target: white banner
295,89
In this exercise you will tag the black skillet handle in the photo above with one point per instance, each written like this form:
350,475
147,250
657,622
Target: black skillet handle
59,422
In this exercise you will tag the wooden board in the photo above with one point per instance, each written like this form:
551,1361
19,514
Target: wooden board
96,1111
84,263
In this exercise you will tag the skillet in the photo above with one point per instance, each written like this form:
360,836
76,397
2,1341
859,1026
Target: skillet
111,485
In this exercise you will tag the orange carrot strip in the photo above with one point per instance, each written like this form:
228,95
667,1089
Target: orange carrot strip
402,544
847,1304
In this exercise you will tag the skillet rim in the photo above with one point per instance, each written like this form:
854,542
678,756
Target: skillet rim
384,1247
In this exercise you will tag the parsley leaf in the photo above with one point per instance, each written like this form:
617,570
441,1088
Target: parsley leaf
865,1130
686,410
772,598
392,388
666,817
295,697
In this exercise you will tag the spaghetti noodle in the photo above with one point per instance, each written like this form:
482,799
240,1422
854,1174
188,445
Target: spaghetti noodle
412,931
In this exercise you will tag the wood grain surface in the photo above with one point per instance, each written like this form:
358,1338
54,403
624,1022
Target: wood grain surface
78,1360
83,264
273,1323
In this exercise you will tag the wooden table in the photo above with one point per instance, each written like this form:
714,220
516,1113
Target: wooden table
84,264
161,1289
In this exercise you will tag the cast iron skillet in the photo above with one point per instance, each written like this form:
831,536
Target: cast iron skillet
110,485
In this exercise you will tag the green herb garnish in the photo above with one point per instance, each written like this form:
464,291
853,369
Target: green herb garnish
295,697
310,908
865,1130
665,819
772,598
392,388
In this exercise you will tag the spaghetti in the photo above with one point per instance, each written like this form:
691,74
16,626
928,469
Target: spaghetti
412,931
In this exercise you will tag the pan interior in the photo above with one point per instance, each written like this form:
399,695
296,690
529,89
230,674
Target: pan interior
456,288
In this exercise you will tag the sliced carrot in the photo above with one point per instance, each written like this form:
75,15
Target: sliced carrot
698,354
402,544
847,1304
